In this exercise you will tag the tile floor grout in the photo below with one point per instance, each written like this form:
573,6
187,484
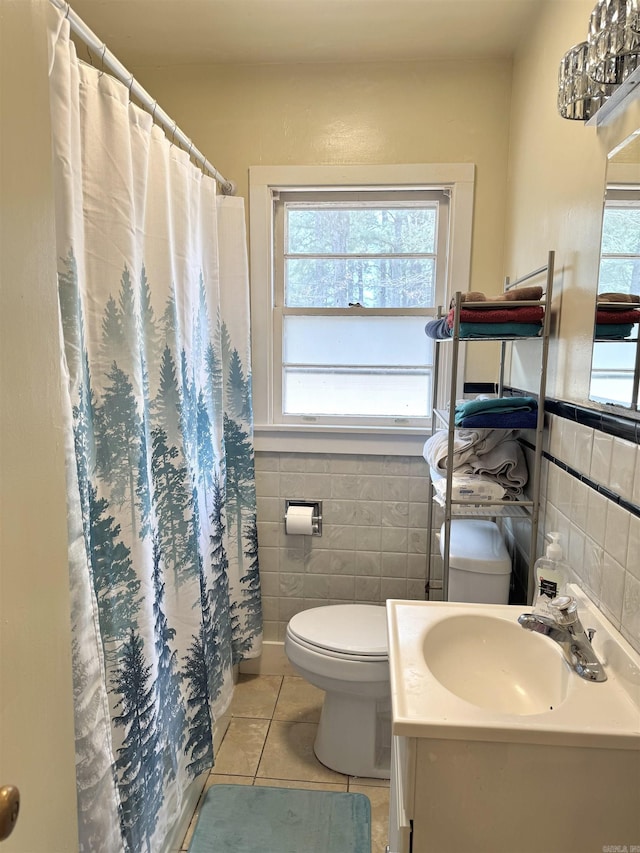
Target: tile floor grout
285,751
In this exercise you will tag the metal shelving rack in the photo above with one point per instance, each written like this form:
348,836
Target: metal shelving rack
529,508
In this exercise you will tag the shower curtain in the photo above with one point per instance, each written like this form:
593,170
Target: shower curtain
164,579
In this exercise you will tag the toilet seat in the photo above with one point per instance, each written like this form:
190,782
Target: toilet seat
354,632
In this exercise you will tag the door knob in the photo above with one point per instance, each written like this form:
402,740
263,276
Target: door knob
9,808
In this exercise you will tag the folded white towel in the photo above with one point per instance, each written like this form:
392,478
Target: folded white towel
467,444
491,453
505,462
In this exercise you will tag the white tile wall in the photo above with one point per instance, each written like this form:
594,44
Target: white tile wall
600,538
373,543
374,538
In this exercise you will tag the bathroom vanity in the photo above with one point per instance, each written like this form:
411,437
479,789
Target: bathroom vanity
498,745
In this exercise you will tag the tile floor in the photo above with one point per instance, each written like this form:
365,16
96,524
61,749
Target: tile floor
270,742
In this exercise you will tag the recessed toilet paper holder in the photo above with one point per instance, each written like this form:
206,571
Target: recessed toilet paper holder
316,518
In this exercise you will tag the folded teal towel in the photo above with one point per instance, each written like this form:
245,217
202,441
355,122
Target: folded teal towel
615,331
497,330
501,420
493,406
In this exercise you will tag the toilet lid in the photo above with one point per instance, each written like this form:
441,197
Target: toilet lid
355,629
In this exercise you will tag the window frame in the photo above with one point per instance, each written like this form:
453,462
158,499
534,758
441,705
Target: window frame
272,432
619,196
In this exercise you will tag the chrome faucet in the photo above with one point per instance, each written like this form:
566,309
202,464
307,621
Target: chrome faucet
566,629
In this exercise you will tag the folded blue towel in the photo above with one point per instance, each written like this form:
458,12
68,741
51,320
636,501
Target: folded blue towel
438,329
496,330
500,420
485,405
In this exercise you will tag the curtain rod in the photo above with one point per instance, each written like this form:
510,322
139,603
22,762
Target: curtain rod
110,61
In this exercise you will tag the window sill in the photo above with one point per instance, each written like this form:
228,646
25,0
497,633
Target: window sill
373,441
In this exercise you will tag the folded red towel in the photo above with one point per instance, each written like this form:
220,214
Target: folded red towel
630,315
526,314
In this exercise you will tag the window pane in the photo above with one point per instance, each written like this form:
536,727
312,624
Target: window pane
619,275
621,231
356,341
362,230
612,372
373,282
352,393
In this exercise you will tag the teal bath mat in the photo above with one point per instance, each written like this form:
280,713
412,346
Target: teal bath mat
252,819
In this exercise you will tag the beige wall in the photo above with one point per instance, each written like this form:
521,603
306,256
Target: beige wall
418,112
36,698
556,189
540,178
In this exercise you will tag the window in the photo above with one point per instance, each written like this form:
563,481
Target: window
613,364
354,273
344,273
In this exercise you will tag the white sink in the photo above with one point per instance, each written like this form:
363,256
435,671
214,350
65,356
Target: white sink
471,672
496,664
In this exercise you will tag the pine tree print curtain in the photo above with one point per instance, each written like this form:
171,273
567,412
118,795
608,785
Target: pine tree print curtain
162,512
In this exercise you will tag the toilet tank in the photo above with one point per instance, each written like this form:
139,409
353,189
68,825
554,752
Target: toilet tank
479,563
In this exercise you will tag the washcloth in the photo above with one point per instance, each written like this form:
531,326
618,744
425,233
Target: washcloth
631,315
467,445
528,314
494,405
614,331
528,293
502,420
618,297
438,329
500,330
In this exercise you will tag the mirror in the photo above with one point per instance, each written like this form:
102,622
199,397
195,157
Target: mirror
615,365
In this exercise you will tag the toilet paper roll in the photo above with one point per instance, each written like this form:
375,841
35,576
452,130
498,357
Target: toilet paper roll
299,519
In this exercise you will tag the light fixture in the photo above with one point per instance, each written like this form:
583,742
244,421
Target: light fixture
614,40
579,96
592,70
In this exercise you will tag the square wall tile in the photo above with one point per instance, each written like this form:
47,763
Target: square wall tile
395,514
395,488
596,516
631,610
367,589
582,449
612,589
600,469
267,461
633,552
623,459
616,540
593,568
636,480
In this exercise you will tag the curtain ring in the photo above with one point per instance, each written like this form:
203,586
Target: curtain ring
131,86
68,11
173,135
190,149
153,111
104,50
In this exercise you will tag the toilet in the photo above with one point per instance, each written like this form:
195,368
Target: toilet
342,649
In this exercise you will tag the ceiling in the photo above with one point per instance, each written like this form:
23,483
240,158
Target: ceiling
169,32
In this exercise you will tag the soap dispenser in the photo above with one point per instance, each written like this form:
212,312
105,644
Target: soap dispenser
552,575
